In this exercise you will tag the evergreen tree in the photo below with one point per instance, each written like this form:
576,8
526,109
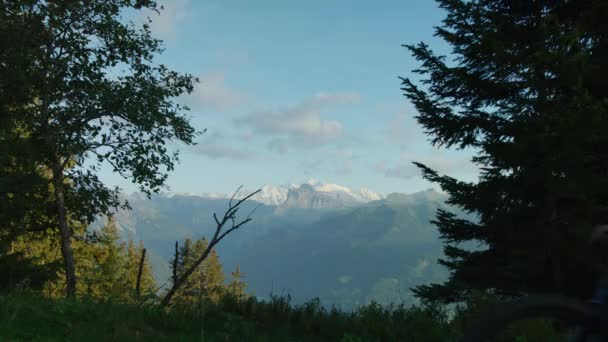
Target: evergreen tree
207,280
237,286
24,210
148,283
111,277
212,275
526,90
42,250
30,261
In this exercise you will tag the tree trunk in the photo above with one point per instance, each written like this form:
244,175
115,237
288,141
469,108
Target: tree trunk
140,271
64,231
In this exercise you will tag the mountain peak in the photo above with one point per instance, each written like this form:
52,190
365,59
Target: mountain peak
308,197
326,194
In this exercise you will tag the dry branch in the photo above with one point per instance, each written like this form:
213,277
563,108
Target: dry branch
139,272
229,215
175,260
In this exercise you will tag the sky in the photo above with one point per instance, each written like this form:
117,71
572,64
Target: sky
296,90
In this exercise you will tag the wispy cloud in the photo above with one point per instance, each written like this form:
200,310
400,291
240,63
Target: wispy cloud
215,146
301,125
278,145
345,167
164,24
404,131
337,160
404,171
212,93
440,162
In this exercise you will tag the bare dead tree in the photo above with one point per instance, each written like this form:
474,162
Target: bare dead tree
139,272
229,215
175,260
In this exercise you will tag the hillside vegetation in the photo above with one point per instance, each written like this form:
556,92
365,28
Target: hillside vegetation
29,317
82,89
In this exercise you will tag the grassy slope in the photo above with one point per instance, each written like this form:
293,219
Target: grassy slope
27,317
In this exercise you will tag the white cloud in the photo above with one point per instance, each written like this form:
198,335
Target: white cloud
338,161
440,162
278,145
346,167
310,165
404,131
301,125
405,171
214,146
213,94
164,24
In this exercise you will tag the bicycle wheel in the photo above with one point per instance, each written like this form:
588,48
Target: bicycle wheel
571,316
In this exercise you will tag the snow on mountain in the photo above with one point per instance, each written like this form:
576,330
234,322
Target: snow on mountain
316,194
278,195
362,195
367,195
272,195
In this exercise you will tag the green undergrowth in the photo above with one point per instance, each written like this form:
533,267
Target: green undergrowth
30,317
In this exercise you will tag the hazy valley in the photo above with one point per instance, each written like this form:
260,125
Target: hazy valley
314,240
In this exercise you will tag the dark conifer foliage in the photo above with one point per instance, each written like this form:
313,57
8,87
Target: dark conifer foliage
526,89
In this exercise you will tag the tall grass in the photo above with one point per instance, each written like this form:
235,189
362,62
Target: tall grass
27,316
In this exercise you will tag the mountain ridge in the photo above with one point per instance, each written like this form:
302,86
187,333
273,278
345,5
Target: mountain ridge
279,195
346,255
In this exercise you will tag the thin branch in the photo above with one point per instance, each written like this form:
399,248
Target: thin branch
234,227
254,209
234,195
217,237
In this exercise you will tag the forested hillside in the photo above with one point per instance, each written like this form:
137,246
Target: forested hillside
504,110
345,256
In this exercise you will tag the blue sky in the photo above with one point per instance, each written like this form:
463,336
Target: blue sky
299,90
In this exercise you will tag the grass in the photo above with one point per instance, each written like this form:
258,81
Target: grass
30,317
26,316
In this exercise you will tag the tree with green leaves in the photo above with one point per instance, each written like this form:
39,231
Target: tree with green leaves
524,88
94,96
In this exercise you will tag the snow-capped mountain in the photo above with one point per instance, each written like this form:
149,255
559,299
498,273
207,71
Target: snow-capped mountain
315,195
362,195
312,194
271,195
307,197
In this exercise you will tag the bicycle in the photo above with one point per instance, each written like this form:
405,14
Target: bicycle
589,320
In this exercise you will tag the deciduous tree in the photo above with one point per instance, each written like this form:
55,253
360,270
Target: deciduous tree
94,95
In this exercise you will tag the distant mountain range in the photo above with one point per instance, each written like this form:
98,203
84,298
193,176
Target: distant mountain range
310,194
344,246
